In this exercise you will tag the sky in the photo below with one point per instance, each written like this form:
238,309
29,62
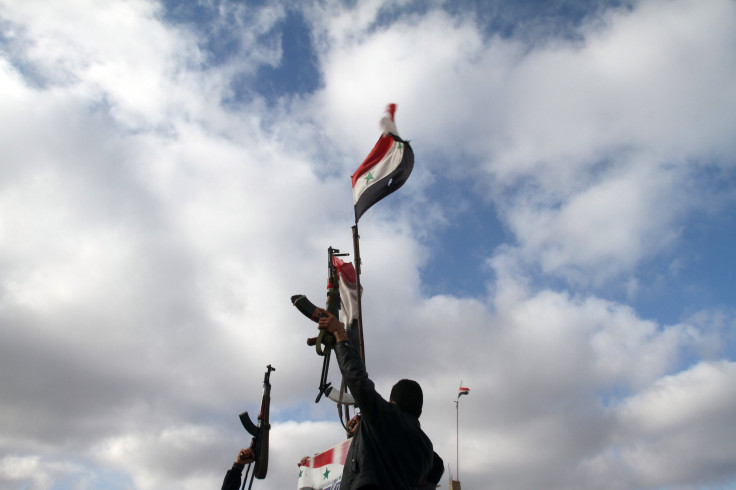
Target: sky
172,172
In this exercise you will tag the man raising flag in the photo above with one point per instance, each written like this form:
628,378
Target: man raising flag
385,169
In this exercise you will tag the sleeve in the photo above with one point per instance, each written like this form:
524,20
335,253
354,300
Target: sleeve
232,478
438,469
356,378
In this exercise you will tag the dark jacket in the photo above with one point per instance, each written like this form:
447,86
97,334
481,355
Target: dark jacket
390,450
435,474
232,478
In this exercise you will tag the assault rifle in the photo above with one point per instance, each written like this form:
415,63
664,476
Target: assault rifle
325,341
259,432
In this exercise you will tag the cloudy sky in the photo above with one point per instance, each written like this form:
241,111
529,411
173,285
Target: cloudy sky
172,172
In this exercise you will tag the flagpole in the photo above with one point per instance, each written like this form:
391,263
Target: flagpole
356,254
457,435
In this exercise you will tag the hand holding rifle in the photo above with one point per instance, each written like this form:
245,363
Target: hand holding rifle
332,325
245,456
259,443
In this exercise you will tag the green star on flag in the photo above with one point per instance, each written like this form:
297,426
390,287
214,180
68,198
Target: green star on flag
369,177
326,474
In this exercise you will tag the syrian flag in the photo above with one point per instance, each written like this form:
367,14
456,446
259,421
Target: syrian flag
385,169
324,471
463,391
347,283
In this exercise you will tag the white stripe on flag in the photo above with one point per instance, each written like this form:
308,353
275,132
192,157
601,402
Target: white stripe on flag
379,171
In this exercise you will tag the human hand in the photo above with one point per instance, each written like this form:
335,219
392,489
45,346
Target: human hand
246,456
303,461
352,425
332,325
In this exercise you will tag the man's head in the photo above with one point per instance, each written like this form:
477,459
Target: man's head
407,394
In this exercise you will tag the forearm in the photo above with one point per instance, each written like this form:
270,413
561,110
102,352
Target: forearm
232,479
356,377
341,335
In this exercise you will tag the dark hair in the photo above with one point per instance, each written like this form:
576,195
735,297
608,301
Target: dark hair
407,394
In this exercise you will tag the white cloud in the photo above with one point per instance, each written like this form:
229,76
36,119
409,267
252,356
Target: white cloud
566,385
604,230
680,431
190,451
609,133
607,129
37,473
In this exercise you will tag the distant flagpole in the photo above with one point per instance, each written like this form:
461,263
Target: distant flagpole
461,391
457,437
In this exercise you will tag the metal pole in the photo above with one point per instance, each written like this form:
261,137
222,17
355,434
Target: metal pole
457,437
457,431
356,254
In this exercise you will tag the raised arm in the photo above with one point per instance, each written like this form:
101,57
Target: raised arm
352,367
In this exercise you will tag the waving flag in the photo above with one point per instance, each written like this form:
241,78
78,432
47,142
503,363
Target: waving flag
385,169
348,287
463,391
324,471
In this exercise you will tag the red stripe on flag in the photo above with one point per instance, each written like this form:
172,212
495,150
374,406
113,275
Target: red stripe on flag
334,455
322,459
345,269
